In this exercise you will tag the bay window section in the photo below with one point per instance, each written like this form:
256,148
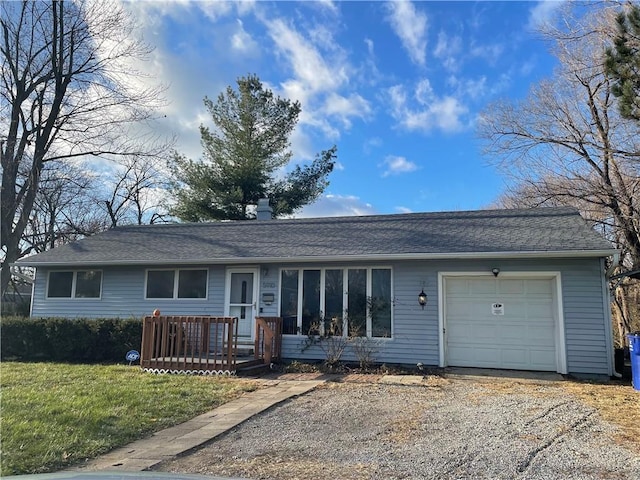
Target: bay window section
289,302
380,302
337,301
357,302
333,302
310,302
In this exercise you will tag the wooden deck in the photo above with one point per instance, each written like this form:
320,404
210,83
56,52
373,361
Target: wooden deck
205,345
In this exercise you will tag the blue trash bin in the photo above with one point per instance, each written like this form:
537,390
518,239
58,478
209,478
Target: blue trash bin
634,353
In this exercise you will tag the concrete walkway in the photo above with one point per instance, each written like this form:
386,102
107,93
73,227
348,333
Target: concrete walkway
144,454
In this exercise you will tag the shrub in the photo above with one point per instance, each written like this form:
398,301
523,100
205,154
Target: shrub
330,340
333,343
85,340
365,350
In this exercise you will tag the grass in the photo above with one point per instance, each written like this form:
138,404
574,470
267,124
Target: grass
54,415
616,403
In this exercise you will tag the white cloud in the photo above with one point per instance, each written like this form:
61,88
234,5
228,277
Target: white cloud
322,36
426,111
395,165
403,210
449,50
329,5
470,87
347,107
242,42
321,123
527,66
370,74
314,68
410,25
308,64
490,52
297,90
245,6
319,75
544,13
370,46
331,205
216,10
371,143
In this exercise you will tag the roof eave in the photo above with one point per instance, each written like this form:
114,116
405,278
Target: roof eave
332,258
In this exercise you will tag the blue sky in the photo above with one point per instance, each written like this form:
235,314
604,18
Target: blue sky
397,86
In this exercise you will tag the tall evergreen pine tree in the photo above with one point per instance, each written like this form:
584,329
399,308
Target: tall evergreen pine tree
623,63
242,159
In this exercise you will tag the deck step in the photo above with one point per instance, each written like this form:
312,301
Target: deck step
245,348
253,370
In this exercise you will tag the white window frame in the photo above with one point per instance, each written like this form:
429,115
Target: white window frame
345,283
176,282
74,282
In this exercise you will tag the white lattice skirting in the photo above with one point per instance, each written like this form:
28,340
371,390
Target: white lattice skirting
188,372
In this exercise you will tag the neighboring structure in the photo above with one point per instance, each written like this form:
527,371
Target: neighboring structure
513,289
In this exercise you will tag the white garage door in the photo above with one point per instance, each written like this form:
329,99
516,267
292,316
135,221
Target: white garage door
500,323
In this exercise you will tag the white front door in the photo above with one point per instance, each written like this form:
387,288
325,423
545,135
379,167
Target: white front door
241,294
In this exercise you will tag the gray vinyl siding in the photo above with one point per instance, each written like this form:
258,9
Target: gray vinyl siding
415,331
415,336
585,330
123,296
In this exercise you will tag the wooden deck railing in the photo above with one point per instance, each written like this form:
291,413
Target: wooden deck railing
195,344
268,343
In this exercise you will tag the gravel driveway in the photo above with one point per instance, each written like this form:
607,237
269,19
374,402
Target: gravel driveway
444,429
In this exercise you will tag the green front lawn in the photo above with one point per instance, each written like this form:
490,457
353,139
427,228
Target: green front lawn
54,415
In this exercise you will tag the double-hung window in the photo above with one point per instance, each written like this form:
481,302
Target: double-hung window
337,301
171,283
75,284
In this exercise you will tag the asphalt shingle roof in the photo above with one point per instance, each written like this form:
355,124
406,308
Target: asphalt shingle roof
503,232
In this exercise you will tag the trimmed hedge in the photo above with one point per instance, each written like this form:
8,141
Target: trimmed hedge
82,340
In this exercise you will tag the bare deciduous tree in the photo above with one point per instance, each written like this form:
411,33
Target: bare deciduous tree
566,143
566,140
70,90
63,209
135,194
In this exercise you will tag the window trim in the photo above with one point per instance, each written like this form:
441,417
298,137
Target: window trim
176,282
345,269
74,282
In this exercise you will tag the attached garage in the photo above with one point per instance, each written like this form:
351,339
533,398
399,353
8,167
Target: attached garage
506,321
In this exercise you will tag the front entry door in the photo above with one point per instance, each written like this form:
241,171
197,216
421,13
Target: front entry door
241,295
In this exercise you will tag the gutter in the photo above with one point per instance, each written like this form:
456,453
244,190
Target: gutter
329,258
